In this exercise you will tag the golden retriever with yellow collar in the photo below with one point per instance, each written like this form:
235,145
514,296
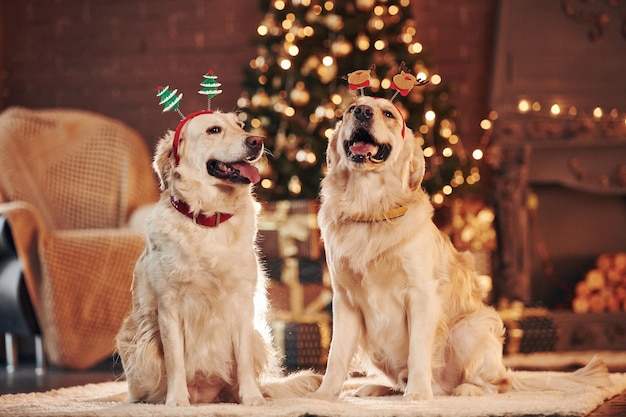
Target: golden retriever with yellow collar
402,293
197,331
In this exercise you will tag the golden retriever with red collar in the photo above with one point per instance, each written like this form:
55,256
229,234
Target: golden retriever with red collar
197,332
402,293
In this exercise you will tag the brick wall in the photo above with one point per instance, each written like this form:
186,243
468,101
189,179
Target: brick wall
109,56
458,34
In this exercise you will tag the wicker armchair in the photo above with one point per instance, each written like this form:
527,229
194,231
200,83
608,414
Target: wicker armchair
69,182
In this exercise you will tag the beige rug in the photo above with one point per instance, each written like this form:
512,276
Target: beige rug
106,399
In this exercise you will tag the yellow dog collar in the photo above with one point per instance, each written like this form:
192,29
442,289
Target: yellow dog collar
387,215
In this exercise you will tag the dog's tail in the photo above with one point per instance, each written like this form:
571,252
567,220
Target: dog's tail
595,374
294,385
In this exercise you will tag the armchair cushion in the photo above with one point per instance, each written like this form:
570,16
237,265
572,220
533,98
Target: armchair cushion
89,296
70,182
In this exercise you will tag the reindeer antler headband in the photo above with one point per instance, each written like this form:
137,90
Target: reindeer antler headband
402,82
170,100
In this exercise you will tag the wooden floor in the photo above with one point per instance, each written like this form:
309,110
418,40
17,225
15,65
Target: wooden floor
25,379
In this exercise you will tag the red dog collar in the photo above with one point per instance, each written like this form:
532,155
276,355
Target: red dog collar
213,220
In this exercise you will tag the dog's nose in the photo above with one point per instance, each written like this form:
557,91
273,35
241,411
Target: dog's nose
363,112
254,143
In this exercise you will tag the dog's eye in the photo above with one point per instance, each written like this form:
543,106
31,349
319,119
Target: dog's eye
351,109
388,114
214,129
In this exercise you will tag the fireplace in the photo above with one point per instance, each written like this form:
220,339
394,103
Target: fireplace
558,148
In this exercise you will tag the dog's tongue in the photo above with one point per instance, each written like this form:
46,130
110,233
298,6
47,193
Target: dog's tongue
362,148
248,171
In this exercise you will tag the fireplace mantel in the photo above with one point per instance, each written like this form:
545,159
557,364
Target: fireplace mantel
551,196
559,160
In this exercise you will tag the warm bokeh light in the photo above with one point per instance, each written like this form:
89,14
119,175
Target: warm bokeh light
523,106
415,48
437,199
597,113
362,42
293,50
285,64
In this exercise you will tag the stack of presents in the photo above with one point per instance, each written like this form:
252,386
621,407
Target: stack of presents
299,289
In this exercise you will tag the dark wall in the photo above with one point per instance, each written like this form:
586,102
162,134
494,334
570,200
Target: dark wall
109,56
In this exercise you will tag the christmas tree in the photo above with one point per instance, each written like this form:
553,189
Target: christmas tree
295,90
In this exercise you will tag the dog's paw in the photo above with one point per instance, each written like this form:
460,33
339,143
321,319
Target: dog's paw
372,390
468,390
418,396
254,401
322,395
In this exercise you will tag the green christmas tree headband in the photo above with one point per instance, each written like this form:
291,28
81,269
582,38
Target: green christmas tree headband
403,83
170,100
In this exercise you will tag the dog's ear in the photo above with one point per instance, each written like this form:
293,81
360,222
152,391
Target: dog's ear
331,152
164,162
417,164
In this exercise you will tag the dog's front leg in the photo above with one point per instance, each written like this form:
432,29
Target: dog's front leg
173,352
346,331
422,315
249,391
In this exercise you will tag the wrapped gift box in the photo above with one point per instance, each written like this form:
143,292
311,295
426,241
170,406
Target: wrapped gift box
289,229
302,345
299,290
301,327
528,329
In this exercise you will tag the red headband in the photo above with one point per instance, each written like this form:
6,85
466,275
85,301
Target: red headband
180,128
